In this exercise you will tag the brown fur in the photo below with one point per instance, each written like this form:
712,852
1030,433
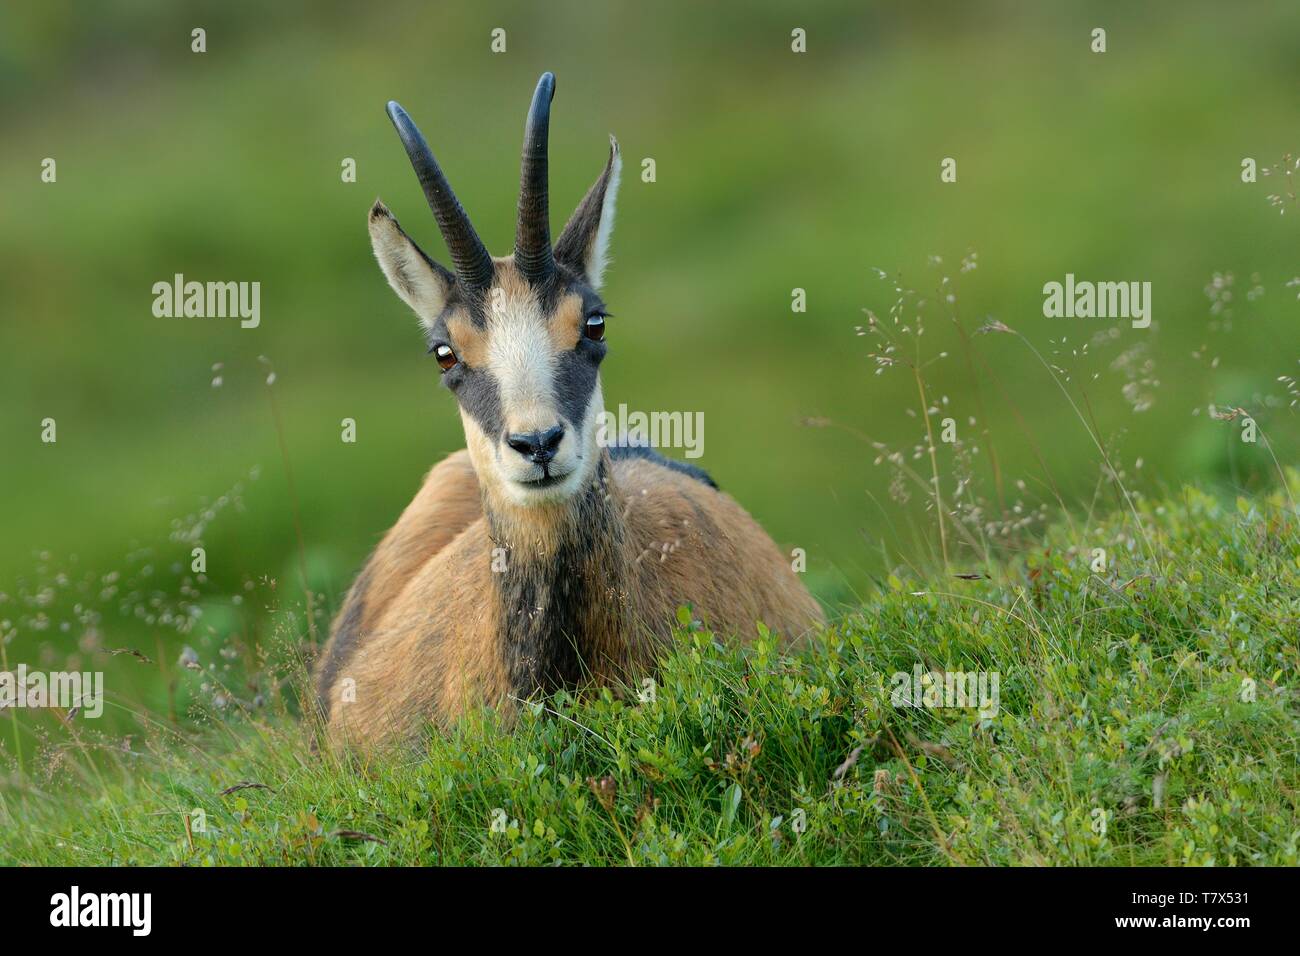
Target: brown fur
429,639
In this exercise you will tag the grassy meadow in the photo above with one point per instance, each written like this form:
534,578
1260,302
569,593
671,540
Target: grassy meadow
775,171
1145,715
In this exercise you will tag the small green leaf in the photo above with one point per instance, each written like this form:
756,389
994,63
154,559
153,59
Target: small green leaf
731,803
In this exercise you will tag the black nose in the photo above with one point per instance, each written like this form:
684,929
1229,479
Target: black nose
539,447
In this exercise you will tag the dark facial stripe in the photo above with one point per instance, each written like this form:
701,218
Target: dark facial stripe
575,380
477,392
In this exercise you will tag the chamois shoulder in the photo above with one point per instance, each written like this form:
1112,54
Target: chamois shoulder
447,503
693,544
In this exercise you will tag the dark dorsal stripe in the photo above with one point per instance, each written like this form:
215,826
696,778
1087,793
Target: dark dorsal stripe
628,452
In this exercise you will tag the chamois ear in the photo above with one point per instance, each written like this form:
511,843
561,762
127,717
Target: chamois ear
584,244
419,281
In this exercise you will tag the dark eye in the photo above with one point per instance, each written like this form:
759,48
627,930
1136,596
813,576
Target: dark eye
595,328
445,356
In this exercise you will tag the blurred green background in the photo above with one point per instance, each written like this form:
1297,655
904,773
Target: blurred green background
775,170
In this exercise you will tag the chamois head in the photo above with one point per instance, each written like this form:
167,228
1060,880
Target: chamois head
519,339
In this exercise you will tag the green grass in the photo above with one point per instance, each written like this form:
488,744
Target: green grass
1124,701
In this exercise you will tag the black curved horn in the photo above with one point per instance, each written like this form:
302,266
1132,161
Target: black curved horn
468,254
533,255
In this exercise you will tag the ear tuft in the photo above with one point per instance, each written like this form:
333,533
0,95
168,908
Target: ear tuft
379,210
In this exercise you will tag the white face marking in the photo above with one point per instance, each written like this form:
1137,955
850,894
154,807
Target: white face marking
520,359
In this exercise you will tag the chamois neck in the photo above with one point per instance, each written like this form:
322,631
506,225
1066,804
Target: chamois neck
561,586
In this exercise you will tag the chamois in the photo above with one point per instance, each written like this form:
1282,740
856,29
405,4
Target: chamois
536,558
